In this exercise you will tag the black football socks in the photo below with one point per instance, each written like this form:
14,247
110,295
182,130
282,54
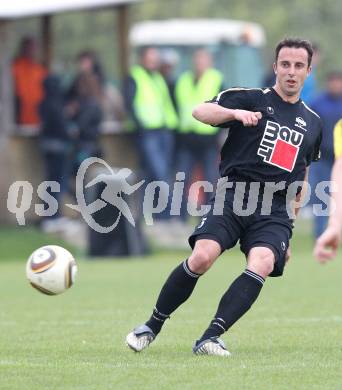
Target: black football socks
176,290
234,303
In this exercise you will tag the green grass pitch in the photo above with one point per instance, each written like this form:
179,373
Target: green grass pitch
290,339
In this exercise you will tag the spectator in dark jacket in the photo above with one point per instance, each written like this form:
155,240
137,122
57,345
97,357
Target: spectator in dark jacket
55,139
328,105
88,116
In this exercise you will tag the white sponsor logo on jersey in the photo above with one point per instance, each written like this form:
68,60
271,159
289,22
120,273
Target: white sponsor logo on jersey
280,146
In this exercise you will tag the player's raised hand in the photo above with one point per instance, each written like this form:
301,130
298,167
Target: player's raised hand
248,118
327,244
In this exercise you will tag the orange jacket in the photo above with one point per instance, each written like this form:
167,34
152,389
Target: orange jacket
28,79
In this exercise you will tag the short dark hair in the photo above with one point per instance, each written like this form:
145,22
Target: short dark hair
296,43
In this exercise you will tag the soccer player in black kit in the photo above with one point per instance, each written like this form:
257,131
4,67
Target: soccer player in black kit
273,137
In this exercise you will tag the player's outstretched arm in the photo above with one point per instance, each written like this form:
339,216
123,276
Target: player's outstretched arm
214,114
328,243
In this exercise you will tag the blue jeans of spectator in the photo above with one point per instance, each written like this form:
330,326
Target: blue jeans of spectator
197,150
319,171
156,154
57,169
57,164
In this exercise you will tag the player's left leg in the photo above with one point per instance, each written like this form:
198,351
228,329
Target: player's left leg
237,300
176,290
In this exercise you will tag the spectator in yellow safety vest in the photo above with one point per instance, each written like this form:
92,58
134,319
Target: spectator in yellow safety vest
150,108
197,143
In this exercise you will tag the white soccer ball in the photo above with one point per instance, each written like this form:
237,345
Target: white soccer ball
51,269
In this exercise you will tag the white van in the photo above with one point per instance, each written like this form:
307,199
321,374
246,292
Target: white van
235,45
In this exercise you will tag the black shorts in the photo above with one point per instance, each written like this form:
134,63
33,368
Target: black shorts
272,231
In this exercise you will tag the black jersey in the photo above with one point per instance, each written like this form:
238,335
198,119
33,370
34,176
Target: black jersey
279,148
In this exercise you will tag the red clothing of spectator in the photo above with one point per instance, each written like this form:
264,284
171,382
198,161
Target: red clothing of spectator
28,76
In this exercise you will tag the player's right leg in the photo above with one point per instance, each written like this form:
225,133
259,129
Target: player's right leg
236,301
175,291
